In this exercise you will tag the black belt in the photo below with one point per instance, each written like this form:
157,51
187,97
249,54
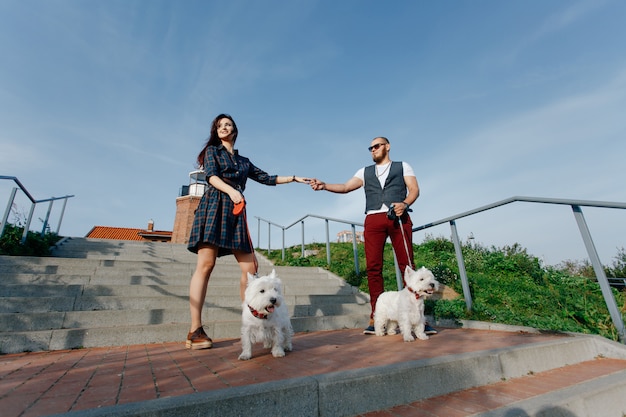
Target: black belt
233,184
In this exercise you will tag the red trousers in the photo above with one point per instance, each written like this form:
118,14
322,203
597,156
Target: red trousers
376,231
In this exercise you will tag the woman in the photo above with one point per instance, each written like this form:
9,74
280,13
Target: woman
216,230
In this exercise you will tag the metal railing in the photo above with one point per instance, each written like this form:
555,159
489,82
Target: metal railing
301,221
32,208
576,205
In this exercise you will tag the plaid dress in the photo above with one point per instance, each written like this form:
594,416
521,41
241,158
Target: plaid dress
214,222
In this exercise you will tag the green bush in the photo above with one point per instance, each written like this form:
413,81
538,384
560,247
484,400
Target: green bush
507,284
35,244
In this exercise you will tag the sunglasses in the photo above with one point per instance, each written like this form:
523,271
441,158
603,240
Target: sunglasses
375,147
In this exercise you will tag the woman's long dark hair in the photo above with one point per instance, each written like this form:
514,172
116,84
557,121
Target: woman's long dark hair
214,139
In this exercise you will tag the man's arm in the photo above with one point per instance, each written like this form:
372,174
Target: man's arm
413,190
350,185
412,194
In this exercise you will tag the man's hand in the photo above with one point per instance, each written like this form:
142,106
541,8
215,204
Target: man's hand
317,184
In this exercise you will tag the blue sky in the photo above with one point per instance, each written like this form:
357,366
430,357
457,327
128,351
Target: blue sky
111,101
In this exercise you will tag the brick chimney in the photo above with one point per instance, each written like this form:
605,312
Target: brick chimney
185,211
186,205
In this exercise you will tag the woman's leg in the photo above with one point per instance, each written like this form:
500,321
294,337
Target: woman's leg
248,264
199,281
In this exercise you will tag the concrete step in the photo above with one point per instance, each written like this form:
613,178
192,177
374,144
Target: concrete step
123,289
601,396
99,336
11,265
56,320
318,281
299,304
588,381
114,298
456,373
86,248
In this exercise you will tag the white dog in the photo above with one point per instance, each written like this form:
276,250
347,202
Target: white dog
405,308
265,317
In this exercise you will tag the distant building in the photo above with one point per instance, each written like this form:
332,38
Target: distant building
125,233
186,205
345,236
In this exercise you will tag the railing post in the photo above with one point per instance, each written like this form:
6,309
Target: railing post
459,259
616,316
355,249
7,211
258,236
302,246
27,225
269,239
283,233
32,209
399,280
327,243
61,217
45,222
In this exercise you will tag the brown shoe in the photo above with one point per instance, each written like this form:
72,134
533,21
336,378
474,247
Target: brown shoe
198,340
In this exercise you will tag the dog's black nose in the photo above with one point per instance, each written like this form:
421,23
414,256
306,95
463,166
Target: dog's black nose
432,285
273,300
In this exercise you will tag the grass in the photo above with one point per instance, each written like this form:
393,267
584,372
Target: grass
508,285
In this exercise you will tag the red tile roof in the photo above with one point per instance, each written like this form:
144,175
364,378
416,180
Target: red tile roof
124,233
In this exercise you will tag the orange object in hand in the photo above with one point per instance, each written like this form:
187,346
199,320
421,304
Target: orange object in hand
238,209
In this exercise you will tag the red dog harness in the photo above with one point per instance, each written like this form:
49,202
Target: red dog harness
417,296
257,314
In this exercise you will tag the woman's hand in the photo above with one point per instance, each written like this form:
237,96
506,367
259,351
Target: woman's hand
236,196
291,178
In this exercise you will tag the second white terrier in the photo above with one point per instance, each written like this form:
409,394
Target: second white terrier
405,308
265,317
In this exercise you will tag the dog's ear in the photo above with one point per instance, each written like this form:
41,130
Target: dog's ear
273,273
251,277
408,270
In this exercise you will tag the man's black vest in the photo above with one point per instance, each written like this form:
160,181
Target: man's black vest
393,191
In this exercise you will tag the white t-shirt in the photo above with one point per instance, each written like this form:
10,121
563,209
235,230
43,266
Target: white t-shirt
382,172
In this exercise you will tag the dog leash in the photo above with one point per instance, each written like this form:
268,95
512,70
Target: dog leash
245,222
406,247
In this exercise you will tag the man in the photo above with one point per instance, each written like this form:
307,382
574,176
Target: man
390,189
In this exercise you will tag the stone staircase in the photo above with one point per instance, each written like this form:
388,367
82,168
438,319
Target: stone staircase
109,293
97,292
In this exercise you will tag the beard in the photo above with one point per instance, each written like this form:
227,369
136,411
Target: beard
380,157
